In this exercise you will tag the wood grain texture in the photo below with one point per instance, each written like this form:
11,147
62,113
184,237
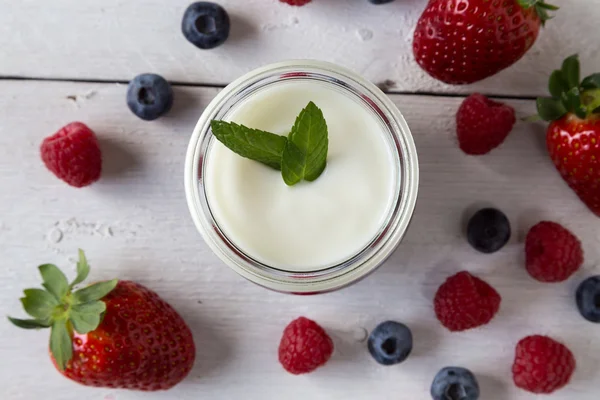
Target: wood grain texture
116,40
134,224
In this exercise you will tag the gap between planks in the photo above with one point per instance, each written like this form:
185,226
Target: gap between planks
222,85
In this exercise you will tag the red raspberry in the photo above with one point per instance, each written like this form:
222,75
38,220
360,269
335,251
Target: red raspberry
296,2
465,301
552,253
542,365
73,155
304,347
482,124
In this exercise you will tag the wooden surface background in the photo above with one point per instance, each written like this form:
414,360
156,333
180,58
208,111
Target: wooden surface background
66,60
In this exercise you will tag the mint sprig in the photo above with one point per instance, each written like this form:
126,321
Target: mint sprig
305,153
257,145
300,156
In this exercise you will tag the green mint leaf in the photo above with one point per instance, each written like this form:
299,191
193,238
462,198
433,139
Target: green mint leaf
550,109
591,82
86,317
257,145
38,303
29,323
61,346
83,269
557,84
55,281
94,292
292,165
305,154
570,71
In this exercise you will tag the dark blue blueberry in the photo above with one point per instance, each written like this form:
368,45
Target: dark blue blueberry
380,1
588,299
455,383
488,230
390,343
149,96
205,24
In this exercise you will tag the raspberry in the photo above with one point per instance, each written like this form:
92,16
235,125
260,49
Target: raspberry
296,2
552,253
465,301
73,155
542,365
483,124
304,346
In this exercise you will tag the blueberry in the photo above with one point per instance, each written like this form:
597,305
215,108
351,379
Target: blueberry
588,299
380,1
205,24
390,343
488,230
455,383
149,96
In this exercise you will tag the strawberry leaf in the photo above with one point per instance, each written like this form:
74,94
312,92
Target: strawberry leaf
29,323
591,82
550,109
61,346
591,99
541,8
547,6
94,292
570,71
55,281
557,84
86,317
83,269
38,303
571,99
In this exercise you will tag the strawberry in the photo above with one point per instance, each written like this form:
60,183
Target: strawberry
115,334
573,137
459,41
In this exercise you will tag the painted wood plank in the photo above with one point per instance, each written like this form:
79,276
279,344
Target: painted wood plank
134,224
116,40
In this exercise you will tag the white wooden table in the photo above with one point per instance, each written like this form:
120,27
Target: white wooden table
66,60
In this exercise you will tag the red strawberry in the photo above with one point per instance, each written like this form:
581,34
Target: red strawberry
304,346
458,41
73,155
465,301
573,137
115,334
542,365
483,124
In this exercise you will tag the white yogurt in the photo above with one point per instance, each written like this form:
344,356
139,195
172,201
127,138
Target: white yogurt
312,225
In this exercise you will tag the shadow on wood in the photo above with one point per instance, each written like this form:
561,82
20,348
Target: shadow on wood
116,158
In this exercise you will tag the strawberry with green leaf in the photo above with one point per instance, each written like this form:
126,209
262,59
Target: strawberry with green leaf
111,334
573,137
465,41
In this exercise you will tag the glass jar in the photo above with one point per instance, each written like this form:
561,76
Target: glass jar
406,178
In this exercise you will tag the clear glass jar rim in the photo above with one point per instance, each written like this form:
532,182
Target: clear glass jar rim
348,271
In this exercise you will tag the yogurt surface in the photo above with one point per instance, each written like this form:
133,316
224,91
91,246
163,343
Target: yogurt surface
312,225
